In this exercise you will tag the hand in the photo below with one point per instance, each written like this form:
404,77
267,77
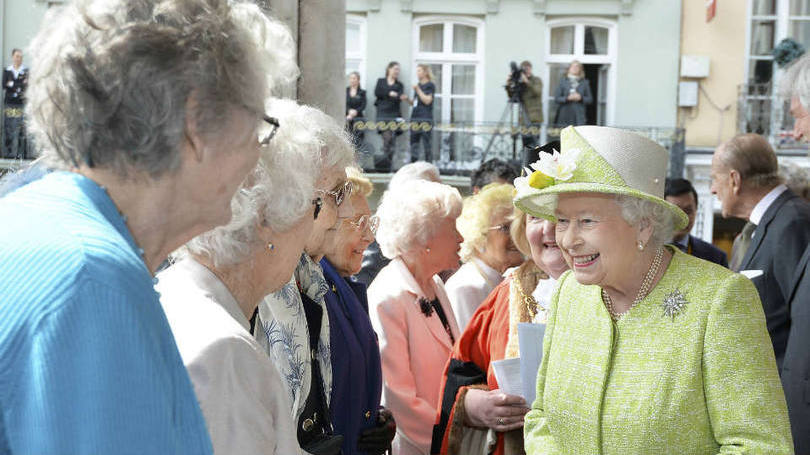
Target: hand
352,113
403,97
523,78
377,440
415,87
494,409
393,94
574,96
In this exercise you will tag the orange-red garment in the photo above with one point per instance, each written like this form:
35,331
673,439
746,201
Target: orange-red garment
483,341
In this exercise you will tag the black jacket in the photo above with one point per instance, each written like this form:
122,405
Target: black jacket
388,107
706,251
15,86
777,245
796,364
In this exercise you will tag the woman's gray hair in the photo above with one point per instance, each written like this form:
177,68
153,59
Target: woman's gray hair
419,170
410,213
637,211
111,80
280,190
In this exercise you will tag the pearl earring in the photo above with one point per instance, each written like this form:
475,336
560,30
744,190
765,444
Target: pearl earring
427,250
640,246
270,246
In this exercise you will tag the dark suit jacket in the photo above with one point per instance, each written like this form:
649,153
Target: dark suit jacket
796,365
707,251
776,248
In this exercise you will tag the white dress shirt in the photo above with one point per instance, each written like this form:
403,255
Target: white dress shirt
762,206
469,287
240,391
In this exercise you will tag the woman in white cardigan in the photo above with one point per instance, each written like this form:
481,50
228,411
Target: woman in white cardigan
409,307
213,290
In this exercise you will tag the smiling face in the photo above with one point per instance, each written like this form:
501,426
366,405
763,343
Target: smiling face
346,252
598,244
801,125
444,246
500,252
546,254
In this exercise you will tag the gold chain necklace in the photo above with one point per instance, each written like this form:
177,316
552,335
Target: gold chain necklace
642,291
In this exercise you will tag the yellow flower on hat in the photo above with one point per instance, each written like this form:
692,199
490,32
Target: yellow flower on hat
540,180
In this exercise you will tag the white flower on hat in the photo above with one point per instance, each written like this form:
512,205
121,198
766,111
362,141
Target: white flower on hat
558,166
523,181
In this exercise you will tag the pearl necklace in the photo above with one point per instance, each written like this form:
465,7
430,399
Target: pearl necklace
642,291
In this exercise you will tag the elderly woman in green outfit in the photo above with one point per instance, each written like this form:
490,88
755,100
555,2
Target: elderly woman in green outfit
647,350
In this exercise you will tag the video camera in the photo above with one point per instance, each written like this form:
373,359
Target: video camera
514,86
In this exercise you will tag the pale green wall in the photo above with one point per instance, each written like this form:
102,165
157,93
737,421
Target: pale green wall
20,22
648,47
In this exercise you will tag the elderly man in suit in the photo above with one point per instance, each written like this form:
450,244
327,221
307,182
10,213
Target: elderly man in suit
795,369
745,178
681,193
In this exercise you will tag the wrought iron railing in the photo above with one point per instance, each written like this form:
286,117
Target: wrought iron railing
459,148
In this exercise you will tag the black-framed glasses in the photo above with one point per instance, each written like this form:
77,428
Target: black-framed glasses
370,222
273,122
318,203
340,193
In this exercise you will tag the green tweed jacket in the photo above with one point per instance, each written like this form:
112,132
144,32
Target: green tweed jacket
699,380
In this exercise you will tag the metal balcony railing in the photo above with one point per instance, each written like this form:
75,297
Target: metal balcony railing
460,148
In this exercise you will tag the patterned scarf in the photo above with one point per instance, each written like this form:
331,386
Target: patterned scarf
281,330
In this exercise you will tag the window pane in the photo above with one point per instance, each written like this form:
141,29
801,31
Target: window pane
462,110
463,80
800,31
436,69
764,7
352,38
562,40
800,7
762,37
352,65
760,71
464,39
431,38
596,40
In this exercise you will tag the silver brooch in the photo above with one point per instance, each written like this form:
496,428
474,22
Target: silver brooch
674,303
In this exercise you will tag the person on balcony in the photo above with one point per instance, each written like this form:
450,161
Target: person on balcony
355,105
422,113
390,93
572,95
15,81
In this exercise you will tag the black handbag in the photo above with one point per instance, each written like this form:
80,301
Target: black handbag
315,433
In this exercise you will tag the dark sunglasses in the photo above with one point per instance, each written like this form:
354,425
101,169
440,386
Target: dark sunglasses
273,122
318,203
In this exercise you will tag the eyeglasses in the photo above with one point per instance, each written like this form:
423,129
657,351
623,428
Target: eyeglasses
367,222
273,122
340,193
318,203
502,228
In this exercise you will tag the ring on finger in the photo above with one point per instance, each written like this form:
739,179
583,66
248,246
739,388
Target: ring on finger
500,421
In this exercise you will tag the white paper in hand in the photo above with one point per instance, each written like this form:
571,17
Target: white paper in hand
507,373
530,342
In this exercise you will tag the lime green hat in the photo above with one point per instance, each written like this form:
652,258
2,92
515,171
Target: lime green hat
597,159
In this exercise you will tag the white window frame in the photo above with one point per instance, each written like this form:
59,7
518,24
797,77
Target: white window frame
448,57
610,58
361,55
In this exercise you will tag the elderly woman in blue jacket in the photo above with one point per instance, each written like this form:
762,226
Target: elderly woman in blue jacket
356,371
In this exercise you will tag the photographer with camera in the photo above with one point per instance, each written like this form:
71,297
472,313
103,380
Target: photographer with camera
523,87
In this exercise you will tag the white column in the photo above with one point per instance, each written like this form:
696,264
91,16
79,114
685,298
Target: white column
322,54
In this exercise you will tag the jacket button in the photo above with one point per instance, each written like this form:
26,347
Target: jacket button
307,425
368,414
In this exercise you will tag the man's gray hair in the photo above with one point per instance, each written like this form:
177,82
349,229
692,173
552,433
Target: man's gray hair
637,211
753,158
111,79
411,212
796,81
280,190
